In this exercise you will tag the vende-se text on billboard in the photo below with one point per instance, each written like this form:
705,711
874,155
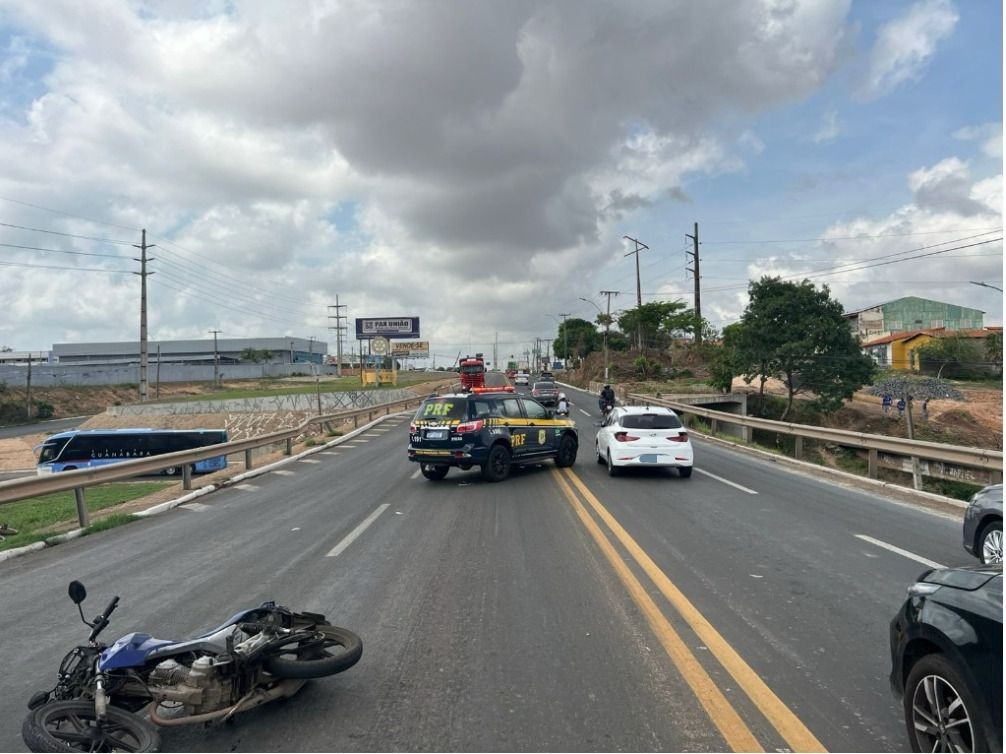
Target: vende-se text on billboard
387,327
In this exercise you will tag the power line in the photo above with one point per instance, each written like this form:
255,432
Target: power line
208,289
67,214
63,251
67,235
68,269
853,238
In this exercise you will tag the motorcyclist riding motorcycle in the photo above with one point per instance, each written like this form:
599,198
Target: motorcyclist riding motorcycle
562,405
606,400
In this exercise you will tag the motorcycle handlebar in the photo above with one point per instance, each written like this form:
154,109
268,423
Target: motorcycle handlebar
101,622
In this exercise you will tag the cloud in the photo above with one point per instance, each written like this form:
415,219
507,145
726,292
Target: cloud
829,128
911,251
989,134
465,134
905,45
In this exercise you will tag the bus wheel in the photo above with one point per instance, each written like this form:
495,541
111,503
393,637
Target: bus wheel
171,470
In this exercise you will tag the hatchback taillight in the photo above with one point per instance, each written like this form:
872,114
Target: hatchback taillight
474,426
680,437
625,437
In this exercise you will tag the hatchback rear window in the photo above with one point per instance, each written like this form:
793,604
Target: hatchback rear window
443,408
650,421
544,386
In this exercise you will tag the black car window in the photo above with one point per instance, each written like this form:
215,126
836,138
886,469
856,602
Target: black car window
511,408
650,421
483,408
534,410
544,386
443,408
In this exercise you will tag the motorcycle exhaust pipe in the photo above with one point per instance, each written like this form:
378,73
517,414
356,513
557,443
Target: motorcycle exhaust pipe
285,688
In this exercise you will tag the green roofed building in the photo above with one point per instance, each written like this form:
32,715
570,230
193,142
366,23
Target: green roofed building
910,314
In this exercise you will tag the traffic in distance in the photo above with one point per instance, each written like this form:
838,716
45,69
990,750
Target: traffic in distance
945,640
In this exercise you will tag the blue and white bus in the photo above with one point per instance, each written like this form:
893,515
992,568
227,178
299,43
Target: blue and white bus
90,448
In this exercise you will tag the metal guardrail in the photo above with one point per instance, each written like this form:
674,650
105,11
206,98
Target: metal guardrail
989,461
77,480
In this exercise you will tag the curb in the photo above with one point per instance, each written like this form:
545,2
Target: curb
170,504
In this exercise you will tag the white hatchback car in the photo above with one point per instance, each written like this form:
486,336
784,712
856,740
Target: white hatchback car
644,436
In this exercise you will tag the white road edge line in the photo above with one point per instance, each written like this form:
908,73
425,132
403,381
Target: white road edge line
351,537
583,412
726,481
899,551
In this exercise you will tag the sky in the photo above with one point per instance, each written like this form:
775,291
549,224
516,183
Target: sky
478,164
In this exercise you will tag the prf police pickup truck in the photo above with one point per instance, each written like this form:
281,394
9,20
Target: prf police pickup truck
493,428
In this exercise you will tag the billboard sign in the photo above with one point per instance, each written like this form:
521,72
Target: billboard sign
411,349
387,327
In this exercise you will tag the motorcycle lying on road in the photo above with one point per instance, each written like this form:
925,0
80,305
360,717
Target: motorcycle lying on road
257,655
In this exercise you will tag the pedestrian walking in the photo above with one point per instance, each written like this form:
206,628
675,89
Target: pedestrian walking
901,407
885,402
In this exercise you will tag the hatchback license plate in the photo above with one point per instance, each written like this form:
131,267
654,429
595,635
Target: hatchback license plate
649,458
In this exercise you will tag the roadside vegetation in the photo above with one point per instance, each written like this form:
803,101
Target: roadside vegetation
39,518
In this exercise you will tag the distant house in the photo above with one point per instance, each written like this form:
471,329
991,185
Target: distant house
899,351
911,315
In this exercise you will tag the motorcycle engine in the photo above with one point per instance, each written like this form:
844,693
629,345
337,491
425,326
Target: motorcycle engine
198,687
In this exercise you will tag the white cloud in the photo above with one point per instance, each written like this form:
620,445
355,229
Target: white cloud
905,45
989,134
829,128
908,252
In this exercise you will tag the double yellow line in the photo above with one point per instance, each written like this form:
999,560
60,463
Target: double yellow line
723,715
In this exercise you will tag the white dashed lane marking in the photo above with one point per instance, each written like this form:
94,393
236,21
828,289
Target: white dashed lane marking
309,460
899,551
284,472
351,537
329,453
246,486
416,473
583,412
727,481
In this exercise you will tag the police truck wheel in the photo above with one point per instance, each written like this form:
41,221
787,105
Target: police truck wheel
567,452
497,466
434,472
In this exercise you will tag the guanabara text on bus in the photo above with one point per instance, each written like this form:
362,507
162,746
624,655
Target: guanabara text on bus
90,448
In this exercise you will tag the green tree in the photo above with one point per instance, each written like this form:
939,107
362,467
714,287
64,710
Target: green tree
661,321
994,351
953,356
796,333
582,337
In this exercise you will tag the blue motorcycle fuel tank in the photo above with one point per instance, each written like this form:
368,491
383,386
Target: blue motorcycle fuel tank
129,652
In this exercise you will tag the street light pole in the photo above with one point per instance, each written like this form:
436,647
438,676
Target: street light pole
986,285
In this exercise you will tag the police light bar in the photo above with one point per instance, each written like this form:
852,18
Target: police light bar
505,389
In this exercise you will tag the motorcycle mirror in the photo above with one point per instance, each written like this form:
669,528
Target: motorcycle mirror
77,592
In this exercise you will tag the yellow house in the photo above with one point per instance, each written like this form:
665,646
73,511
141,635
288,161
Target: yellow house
898,351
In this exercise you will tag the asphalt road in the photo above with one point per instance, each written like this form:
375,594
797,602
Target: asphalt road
556,611
53,425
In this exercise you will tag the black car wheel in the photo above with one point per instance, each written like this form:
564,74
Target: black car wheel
990,543
613,470
597,450
436,472
685,471
567,451
497,466
941,712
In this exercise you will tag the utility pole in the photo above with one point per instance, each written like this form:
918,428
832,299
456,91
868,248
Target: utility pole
698,279
339,329
565,340
157,379
143,246
607,326
640,246
28,388
216,358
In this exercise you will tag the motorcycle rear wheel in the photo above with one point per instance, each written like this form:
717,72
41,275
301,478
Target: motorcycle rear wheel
71,726
309,653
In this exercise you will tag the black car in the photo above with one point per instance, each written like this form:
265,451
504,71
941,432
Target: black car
983,525
947,661
546,393
492,429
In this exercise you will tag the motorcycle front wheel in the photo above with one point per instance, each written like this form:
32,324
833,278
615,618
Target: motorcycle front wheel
321,651
72,726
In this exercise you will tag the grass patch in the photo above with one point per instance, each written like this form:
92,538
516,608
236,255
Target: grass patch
949,488
34,517
109,522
